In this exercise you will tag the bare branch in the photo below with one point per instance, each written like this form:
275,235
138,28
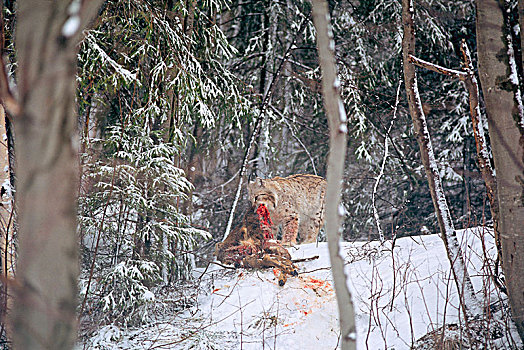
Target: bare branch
436,68
296,137
381,173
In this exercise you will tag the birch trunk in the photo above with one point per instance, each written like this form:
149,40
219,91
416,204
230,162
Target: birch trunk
506,130
43,315
469,303
337,152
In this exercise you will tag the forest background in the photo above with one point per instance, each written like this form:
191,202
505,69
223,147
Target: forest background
170,94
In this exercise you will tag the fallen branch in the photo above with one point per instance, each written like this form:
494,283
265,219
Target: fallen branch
305,259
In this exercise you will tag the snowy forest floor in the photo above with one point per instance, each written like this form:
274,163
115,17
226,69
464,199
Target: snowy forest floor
400,295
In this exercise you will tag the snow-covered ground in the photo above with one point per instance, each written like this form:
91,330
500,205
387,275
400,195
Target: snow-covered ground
399,296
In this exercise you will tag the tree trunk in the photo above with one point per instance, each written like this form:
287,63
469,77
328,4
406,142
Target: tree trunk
469,303
193,162
47,270
335,167
506,135
189,20
482,150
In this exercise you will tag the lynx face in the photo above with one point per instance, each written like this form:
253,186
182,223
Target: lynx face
295,202
260,193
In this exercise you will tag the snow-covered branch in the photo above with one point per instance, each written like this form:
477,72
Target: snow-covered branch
436,68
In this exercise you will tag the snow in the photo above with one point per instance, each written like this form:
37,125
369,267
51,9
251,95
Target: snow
399,294
336,83
74,7
148,296
71,26
120,70
6,185
341,210
515,80
332,45
341,111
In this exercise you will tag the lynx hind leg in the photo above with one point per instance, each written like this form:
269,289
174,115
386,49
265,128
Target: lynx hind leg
309,231
290,231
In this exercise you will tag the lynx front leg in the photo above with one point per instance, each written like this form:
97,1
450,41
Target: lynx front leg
289,236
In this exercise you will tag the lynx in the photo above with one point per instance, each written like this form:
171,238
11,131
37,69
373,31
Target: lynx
295,202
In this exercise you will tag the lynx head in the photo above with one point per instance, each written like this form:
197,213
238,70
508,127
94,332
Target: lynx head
260,193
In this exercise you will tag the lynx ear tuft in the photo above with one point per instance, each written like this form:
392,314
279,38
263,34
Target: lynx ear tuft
260,181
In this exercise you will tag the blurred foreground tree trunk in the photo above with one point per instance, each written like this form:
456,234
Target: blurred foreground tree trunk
335,167
506,132
44,309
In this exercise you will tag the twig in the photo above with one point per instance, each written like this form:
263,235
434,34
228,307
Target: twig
296,137
315,270
241,321
381,173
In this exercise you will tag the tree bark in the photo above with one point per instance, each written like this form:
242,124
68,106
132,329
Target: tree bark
47,270
507,141
337,152
469,303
